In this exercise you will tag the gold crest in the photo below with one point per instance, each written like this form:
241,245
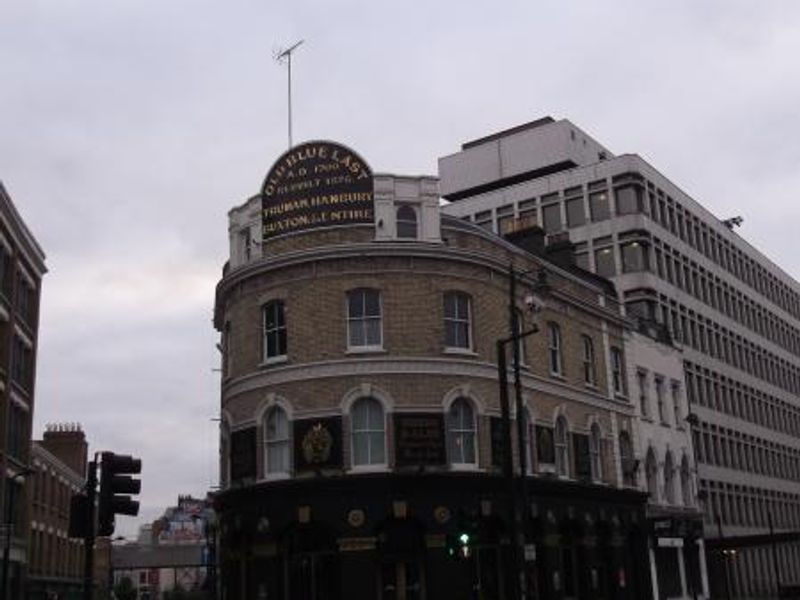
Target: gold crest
317,444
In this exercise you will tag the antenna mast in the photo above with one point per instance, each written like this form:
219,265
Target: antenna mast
287,56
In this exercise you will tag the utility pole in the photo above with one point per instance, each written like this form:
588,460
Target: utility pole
88,539
287,56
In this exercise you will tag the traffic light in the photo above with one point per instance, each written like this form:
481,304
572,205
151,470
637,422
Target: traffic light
459,546
115,479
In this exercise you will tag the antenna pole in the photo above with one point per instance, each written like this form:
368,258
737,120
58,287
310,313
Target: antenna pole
289,71
287,54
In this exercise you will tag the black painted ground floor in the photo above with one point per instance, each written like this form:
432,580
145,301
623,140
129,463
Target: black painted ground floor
429,536
677,554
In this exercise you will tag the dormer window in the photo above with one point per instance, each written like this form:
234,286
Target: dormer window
406,222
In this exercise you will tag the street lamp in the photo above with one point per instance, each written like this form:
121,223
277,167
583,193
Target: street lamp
518,517
11,481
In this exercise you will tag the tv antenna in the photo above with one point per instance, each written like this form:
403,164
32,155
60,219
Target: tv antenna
282,56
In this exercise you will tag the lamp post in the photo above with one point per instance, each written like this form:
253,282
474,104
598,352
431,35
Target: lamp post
11,481
519,512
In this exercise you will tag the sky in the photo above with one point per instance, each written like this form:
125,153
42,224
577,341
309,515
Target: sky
128,129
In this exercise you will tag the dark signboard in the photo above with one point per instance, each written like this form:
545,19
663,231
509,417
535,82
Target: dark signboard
243,454
316,184
317,444
498,441
545,449
419,439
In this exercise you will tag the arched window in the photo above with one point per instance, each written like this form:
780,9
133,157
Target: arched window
554,348
276,441
589,370
686,482
368,427
669,479
627,459
651,473
461,433
527,427
562,447
595,453
406,222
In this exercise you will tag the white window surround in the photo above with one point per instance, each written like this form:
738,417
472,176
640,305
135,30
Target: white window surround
461,431
367,431
359,323
404,222
279,446
596,452
455,302
561,446
273,327
555,358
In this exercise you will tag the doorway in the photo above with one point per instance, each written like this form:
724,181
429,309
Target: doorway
401,580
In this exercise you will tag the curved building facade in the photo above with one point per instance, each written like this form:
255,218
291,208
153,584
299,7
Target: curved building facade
363,444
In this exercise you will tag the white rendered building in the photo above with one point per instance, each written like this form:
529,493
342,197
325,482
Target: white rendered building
735,314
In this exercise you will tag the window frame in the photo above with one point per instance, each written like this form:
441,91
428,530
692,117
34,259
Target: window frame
561,446
368,431
589,361
554,349
596,452
617,371
461,431
285,441
362,319
279,330
404,224
455,321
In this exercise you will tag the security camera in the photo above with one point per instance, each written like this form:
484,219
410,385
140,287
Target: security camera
534,303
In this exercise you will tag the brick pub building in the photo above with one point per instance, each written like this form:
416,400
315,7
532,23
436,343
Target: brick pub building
361,432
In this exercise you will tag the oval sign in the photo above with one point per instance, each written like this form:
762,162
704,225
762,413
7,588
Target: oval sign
316,184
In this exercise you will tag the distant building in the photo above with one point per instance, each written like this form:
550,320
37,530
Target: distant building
21,270
172,552
55,561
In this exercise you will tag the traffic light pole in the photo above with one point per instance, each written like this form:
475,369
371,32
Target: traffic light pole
88,540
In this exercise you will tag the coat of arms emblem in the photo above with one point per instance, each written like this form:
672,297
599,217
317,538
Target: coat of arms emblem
316,444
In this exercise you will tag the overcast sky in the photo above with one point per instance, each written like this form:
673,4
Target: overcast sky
128,129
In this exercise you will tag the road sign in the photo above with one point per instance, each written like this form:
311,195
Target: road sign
530,552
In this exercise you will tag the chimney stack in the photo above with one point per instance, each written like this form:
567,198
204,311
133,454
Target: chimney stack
68,443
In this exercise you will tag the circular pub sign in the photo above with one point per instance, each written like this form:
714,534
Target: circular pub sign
316,184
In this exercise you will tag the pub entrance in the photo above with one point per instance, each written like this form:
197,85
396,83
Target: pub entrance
402,580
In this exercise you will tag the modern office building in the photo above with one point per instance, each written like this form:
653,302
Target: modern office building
55,561
21,271
734,312
363,448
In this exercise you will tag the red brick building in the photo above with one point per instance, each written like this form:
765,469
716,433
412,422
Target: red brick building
21,271
55,561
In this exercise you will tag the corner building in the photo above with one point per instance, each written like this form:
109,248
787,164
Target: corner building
361,435
734,313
